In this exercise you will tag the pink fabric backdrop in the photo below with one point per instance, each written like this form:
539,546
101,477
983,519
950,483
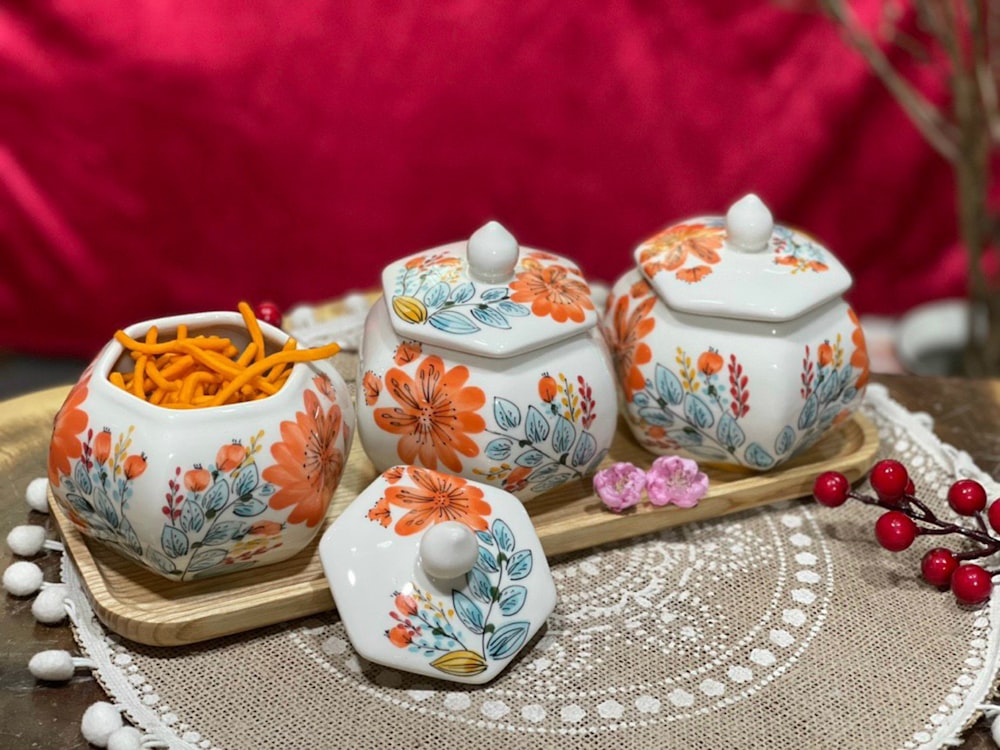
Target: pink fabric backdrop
160,157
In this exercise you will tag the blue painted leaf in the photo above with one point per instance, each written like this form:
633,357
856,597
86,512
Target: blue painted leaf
192,517
849,393
162,563
585,449
535,427
452,321
249,508
437,295
519,564
758,456
82,478
174,541
486,562
504,536
785,440
506,413
597,460
216,496
668,385
490,317
507,640
550,481
498,449
545,471
530,458
247,481
514,309
494,294
512,598
563,435
105,508
697,411
479,585
130,537
810,410
709,452
224,532
463,293
485,536
687,437
657,416
80,503
640,399
205,558
826,389
468,612
730,433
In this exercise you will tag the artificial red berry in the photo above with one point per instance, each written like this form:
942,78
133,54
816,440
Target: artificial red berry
269,313
994,515
830,489
895,531
937,566
911,489
971,584
888,479
967,497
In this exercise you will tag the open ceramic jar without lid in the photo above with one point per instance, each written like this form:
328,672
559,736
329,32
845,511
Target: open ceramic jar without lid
483,359
203,491
732,341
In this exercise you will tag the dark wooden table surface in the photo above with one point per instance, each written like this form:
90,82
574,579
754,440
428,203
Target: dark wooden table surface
39,715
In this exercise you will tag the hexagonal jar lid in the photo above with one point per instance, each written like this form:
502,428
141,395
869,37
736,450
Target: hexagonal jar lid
487,296
741,266
437,575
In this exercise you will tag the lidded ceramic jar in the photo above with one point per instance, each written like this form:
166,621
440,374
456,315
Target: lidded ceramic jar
192,493
484,359
732,341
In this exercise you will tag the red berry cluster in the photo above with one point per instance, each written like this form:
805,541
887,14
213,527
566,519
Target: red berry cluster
269,313
906,517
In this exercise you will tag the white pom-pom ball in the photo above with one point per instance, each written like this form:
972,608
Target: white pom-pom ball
99,722
54,665
26,540
49,607
126,738
995,730
37,494
23,578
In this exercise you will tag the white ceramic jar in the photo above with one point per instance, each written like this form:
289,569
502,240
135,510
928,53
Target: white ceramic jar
732,341
201,492
483,359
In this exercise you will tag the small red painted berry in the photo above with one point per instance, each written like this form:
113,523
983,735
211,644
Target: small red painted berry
967,497
971,584
831,488
269,313
888,478
937,566
895,531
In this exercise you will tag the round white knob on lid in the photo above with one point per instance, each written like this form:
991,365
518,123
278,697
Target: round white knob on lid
492,253
749,224
448,550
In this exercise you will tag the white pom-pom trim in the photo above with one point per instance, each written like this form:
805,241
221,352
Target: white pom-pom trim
56,665
99,721
23,578
29,540
37,494
49,607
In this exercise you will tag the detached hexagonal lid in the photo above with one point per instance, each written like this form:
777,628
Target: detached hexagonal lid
741,266
437,575
487,296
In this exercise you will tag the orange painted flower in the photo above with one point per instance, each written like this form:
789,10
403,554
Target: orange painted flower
134,466
436,498
552,291
70,421
859,357
400,636
547,388
371,386
309,464
517,480
624,338
825,354
325,386
102,446
710,362
671,249
407,352
406,605
381,513
229,457
265,528
197,480
435,416
394,474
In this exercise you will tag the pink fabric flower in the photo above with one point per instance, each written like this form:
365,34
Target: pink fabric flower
676,480
620,486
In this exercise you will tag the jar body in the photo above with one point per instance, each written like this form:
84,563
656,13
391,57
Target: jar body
734,393
527,423
201,492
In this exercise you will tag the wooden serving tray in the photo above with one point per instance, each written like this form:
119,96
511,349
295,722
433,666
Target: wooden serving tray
144,607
